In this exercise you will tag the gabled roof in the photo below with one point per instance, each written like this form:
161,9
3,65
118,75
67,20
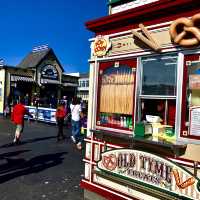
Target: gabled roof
33,59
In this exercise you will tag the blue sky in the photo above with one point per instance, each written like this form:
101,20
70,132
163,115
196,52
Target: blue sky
58,23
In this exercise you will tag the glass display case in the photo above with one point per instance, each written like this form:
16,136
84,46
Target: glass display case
116,95
190,123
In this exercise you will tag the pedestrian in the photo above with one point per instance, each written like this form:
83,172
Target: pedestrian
60,115
17,117
26,100
75,108
6,111
83,124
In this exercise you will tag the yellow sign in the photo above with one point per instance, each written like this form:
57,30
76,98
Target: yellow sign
101,46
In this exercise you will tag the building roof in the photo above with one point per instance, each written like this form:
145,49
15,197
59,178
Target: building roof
33,59
84,75
76,74
146,14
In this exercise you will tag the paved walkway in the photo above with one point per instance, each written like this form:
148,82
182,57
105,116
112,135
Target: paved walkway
39,168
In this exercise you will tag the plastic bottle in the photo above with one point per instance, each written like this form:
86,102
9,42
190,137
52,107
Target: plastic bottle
125,125
130,124
127,122
121,122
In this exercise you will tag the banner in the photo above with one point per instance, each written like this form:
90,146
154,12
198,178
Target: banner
150,170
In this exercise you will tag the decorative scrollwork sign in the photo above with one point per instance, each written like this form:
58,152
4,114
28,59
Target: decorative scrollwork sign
185,31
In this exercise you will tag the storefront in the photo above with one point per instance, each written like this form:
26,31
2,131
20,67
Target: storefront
40,80
143,136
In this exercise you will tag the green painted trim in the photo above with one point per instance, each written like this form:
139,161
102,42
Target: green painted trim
146,185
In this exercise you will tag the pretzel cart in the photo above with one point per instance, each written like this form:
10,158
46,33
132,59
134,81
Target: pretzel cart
143,136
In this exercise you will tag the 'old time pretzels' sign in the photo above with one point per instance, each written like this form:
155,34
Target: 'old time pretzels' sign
152,170
185,31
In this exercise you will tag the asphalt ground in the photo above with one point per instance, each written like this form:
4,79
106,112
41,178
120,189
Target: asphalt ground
40,168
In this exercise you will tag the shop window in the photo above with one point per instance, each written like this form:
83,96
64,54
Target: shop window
190,123
83,83
87,83
157,99
116,95
159,76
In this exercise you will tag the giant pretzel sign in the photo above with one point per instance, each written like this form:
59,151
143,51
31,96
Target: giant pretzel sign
186,32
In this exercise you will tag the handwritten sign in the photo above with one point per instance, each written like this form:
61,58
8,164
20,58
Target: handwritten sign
195,121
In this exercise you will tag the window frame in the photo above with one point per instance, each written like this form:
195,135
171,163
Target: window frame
188,56
132,63
141,96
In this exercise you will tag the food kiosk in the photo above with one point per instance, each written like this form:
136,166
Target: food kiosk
143,136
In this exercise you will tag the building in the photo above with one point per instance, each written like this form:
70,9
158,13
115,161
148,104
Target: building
39,74
143,136
83,87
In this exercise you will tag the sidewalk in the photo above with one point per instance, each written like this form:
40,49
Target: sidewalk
39,168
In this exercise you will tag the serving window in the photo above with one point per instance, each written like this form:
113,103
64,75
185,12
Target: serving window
116,91
157,92
190,122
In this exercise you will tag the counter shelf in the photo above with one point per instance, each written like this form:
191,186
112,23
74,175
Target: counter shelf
161,147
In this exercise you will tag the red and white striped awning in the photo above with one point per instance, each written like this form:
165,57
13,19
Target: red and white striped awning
15,78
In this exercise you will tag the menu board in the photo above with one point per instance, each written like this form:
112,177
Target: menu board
194,128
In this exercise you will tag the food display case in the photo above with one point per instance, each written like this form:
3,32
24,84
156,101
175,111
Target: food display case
115,98
143,136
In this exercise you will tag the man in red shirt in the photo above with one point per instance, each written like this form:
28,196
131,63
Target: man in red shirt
17,117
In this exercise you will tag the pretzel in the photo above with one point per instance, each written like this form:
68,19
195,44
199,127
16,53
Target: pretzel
187,183
188,28
176,176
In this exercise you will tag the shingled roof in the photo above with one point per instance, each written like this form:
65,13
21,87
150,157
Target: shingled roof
33,59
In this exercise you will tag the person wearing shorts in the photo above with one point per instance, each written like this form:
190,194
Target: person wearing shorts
17,117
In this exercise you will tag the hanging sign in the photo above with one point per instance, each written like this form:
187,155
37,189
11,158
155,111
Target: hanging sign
146,168
49,72
101,46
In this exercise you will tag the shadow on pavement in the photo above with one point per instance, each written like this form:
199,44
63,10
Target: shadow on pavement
18,166
27,141
9,165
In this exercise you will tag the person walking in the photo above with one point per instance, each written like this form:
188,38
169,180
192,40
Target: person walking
60,115
17,117
75,108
